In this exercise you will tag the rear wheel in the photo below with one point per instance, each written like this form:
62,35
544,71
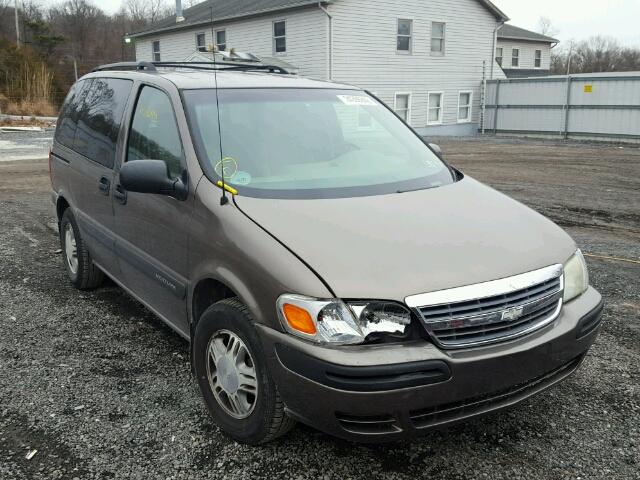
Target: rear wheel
77,261
232,374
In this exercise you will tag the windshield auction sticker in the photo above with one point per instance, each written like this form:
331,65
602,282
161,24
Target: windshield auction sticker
357,100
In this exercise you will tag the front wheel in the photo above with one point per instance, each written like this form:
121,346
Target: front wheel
231,370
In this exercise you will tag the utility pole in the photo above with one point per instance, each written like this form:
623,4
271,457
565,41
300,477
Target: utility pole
15,11
569,58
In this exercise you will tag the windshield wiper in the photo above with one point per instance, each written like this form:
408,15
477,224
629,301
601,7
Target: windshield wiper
414,189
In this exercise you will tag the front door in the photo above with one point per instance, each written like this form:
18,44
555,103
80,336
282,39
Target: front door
151,230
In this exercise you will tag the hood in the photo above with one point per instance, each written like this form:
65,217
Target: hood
392,246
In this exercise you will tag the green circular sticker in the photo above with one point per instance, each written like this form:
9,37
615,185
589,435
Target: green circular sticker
241,178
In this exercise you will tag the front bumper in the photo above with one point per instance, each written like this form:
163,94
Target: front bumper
389,392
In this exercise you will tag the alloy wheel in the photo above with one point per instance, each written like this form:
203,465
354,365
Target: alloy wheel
232,374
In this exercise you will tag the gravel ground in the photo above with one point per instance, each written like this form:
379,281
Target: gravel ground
102,389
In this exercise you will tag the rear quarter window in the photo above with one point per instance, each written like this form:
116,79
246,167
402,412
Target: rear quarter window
99,119
68,117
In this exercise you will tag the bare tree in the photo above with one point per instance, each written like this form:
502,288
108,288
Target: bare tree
147,11
7,24
596,54
78,20
546,27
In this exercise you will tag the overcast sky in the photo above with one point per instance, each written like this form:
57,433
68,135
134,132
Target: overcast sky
578,19
574,19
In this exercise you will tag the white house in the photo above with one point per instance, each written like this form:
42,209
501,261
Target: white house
426,59
522,53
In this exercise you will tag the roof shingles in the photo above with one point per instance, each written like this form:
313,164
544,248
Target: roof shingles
512,32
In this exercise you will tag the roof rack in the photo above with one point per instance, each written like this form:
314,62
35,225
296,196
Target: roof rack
222,65
127,66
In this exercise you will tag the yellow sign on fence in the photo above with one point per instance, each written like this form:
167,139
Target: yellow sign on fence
588,88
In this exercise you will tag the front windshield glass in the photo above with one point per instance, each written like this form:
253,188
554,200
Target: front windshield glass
309,143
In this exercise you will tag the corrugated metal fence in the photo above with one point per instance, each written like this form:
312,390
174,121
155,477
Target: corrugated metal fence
598,106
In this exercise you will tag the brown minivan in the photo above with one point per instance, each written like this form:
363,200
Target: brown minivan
326,265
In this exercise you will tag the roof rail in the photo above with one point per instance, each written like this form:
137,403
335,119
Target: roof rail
148,66
222,65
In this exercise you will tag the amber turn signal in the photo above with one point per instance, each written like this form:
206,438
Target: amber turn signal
299,319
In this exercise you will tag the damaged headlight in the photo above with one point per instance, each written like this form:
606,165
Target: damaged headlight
334,321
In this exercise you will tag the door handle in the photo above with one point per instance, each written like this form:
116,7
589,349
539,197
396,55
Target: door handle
120,194
104,185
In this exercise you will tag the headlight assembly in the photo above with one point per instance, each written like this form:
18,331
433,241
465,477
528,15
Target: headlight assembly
576,277
336,322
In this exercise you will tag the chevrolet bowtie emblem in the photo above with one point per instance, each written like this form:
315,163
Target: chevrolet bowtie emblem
512,313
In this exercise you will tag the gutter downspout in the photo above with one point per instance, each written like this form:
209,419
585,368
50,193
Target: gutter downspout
330,17
495,44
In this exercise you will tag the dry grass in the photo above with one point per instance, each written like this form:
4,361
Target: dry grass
39,107
28,91
26,122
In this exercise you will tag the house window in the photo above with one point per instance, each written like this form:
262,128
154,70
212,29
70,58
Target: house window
434,108
221,40
155,50
538,59
201,42
403,42
499,53
515,57
403,106
464,106
437,38
280,37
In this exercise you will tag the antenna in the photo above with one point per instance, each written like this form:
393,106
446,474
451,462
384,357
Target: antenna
223,200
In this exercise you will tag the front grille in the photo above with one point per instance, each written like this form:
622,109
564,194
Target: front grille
484,403
497,311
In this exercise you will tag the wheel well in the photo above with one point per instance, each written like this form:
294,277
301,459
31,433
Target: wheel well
206,293
61,206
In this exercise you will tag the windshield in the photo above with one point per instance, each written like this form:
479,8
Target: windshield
309,143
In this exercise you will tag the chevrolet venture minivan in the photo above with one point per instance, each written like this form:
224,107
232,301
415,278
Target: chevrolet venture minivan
325,263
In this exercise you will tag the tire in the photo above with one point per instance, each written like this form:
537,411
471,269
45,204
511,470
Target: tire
263,418
85,275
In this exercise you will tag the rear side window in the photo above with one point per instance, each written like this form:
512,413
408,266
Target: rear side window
68,118
99,119
154,131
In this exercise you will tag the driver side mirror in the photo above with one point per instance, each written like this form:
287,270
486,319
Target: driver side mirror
437,150
151,176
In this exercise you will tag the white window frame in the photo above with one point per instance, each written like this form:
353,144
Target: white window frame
410,36
155,52
440,120
514,57
204,47
395,104
273,36
537,59
215,40
468,119
439,53
501,56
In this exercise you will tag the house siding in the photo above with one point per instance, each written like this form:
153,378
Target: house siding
527,54
306,40
364,54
